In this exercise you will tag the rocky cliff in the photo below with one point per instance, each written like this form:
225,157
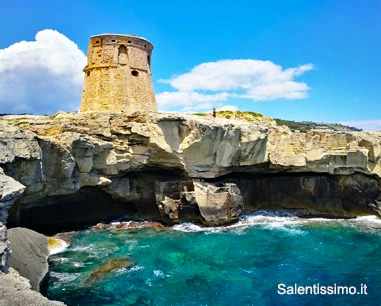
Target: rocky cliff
29,257
15,290
10,190
72,169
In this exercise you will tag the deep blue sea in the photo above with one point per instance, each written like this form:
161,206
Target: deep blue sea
242,264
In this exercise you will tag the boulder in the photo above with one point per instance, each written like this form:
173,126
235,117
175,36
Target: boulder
29,255
218,204
169,209
215,203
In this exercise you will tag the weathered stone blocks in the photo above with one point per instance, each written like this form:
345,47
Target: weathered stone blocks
118,75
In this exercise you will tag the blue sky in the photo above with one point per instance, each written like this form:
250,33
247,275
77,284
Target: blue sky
320,59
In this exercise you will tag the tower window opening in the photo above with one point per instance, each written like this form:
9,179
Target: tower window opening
97,41
113,40
122,49
129,41
145,46
88,73
122,55
135,73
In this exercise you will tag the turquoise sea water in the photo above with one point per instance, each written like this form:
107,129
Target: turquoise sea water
237,265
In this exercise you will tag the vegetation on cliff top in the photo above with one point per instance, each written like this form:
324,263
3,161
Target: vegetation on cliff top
303,126
306,126
245,115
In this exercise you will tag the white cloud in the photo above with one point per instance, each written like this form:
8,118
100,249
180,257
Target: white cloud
45,75
241,79
41,76
232,108
366,125
189,100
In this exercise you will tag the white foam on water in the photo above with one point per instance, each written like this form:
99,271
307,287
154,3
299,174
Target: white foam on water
59,259
59,249
82,248
99,255
65,277
193,228
281,227
368,224
282,220
188,227
263,217
96,250
120,270
132,244
324,220
143,246
368,219
115,223
158,273
136,268
257,218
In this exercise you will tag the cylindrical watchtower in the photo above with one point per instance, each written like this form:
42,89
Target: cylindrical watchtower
118,75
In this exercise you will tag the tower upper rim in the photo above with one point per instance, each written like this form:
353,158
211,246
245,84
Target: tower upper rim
122,35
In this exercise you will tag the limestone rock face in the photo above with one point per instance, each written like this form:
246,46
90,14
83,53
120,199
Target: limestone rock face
176,202
327,152
318,194
29,255
169,208
16,143
16,290
215,203
10,190
126,158
4,249
218,204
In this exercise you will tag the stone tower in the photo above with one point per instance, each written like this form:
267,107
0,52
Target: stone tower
118,75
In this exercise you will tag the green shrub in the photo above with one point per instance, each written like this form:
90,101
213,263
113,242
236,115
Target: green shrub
254,114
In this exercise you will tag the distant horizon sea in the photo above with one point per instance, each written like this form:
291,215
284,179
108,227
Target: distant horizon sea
265,258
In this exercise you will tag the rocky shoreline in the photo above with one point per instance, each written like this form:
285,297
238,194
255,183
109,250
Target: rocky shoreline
25,269
69,170
78,169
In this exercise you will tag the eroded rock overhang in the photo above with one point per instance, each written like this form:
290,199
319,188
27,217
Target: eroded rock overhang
89,167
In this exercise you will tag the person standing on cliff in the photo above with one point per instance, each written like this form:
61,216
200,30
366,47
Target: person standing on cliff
214,113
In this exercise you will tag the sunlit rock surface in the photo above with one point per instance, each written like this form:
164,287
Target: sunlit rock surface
87,167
